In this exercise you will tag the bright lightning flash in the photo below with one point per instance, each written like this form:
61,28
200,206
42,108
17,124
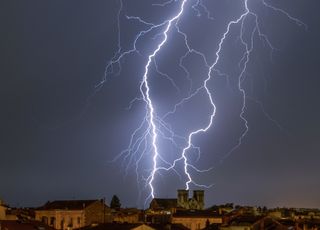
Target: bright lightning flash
144,140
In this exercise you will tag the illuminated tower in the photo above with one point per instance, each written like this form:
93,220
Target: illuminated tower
183,199
198,195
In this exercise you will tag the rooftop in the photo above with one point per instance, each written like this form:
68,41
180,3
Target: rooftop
67,204
165,203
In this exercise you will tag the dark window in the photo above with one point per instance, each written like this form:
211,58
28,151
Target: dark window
52,221
62,224
44,219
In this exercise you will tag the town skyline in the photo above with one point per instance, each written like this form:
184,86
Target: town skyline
184,212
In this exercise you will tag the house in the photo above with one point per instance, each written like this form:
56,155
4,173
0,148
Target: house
23,225
127,215
71,214
160,210
250,222
118,226
141,226
163,206
3,209
196,219
6,212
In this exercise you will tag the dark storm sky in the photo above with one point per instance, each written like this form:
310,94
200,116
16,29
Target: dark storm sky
53,53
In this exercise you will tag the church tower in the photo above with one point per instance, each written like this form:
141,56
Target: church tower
183,199
198,195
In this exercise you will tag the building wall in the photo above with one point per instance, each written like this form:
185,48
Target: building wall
183,199
61,219
133,218
95,213
195,223
71,219
2,212
11,217
196,202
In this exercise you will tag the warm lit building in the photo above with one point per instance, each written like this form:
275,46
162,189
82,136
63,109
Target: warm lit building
250,222
196,219
161,210
127,215
71,214
168,206
139,226
23,225
196,202
6,212
163,206
3,209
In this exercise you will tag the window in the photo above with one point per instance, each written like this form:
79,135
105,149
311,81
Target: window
70,222
62,224
44,219
52,221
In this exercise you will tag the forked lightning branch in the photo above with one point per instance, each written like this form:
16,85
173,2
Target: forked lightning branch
144,141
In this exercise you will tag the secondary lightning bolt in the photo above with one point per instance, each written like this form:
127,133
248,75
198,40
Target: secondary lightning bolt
244,62
205,86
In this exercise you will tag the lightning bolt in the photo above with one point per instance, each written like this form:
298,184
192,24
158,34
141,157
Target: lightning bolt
144,140
147,99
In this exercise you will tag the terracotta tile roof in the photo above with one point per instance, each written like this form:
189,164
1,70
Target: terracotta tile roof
117,226
168,226
196,213
165,203
111,226
67,204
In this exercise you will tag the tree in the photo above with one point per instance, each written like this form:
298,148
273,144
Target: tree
115,202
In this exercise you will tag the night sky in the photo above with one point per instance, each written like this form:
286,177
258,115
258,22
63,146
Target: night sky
59,132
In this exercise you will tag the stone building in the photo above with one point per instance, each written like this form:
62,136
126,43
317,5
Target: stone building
3,209
71,214
6,212
23,225
161,210
196,219
163,206
196,202
127,215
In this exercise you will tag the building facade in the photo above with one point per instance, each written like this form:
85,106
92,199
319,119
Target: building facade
196,220
71,214
3,209
196,202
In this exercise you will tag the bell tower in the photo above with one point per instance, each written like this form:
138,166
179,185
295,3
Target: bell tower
183,199
198,195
